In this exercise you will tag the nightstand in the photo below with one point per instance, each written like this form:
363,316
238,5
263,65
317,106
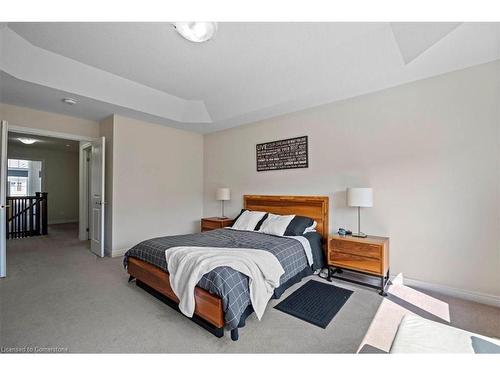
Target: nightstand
210,223
368,256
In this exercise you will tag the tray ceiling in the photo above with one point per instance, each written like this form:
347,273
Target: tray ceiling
248,72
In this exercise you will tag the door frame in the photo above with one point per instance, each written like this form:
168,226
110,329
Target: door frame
98,193
84,140
48,133
3,196
84,203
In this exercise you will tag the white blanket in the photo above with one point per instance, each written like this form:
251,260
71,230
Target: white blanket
187,265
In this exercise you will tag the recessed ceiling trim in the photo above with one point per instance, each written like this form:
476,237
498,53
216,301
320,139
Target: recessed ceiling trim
55,71
249,72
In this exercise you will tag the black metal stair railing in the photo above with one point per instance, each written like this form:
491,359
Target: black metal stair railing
27,216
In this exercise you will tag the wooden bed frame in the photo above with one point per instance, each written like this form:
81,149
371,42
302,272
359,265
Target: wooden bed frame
209,310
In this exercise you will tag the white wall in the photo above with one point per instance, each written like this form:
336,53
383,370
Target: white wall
157,179
430,149
60,179
30,118
53,122
154,174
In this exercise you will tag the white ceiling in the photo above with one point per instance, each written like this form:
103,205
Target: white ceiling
31,95
248,72
428,34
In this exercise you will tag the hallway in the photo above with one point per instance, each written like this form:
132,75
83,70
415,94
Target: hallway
52,287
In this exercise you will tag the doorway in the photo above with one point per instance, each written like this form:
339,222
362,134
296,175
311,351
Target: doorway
21,176
92,167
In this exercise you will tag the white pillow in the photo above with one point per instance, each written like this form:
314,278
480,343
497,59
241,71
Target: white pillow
312,228
248,220
276,224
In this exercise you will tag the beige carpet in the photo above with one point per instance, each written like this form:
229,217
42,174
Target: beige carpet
59,295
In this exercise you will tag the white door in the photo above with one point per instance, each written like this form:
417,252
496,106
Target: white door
3,198
97,193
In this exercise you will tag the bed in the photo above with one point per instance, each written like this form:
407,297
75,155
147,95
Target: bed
221,296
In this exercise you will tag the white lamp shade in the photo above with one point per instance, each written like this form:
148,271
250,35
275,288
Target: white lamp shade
223,194
360,197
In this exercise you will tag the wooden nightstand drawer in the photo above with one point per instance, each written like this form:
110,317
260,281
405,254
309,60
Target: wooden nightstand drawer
211,225
355,262
215,223
357,248
368,255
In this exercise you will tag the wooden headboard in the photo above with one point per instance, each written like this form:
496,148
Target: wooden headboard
315,207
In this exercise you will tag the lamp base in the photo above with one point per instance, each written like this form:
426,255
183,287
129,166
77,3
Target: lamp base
360,235
222,217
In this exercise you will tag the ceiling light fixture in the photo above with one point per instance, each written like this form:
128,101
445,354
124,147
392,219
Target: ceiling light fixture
196,31
28,141
69,101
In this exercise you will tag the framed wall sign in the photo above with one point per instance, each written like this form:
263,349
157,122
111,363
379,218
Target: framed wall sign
284,154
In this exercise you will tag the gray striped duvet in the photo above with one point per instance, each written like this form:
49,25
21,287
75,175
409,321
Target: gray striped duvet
230,285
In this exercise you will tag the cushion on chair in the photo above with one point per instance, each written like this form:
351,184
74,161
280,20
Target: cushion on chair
419,335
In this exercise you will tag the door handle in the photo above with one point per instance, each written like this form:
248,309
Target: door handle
7,205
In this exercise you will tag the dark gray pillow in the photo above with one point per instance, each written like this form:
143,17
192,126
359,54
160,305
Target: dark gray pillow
481,346
316,242
298,225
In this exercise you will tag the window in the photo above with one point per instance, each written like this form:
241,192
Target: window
24,177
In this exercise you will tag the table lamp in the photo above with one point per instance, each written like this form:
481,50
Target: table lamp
359,197
223,194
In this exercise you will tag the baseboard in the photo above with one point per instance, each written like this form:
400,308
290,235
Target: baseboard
487,299
116,253
62,221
